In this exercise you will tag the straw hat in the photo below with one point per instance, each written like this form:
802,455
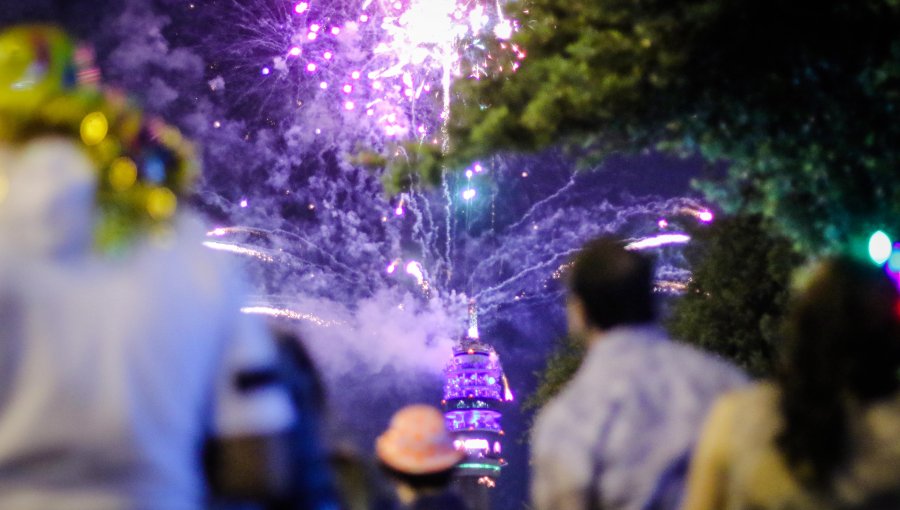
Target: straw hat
417,442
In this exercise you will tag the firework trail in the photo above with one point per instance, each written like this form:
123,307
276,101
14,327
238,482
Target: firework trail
384,69
285,313
657,241
389,64
537,205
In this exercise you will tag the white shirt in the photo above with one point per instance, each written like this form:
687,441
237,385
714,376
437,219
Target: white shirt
634,407
113,372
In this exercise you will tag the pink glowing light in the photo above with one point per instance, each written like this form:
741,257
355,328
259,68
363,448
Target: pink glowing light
476,444
503,30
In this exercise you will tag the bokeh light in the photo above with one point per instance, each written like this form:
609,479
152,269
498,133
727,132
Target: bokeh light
880,247
94,128
161,203
122,174
893,262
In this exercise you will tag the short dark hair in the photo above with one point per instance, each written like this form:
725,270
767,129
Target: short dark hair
615,284
427,481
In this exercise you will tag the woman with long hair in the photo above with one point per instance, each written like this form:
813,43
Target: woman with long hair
825,433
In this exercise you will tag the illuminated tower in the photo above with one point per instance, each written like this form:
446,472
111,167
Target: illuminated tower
474,390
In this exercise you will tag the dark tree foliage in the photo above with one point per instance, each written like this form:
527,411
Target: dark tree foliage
736,299
800,97
561,367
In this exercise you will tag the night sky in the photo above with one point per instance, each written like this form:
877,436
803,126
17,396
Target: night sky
277,146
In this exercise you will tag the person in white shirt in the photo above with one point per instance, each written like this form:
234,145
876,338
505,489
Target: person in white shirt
118,370
620,434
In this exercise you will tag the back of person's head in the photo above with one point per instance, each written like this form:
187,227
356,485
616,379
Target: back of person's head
842,347
614,285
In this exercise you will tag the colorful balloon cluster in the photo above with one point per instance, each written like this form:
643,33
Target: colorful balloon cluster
143,165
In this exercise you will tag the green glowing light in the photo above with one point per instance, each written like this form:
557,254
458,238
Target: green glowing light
475,465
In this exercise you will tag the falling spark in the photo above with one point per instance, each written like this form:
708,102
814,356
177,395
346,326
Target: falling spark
415,269
669,287
240,250
507,393
285,313
657,241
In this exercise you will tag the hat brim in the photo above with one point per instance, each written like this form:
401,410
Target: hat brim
414,465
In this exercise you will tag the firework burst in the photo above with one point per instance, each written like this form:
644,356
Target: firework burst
386,65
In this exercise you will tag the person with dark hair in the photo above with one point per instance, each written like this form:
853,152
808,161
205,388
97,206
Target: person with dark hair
416,453
362,485
313,485
620,434
825,434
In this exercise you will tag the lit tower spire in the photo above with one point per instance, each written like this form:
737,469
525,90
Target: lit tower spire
473,321
474,391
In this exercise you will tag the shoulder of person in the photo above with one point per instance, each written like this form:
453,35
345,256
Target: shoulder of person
753,399
717,365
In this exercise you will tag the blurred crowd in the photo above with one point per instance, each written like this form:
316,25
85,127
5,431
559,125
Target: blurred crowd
129,379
